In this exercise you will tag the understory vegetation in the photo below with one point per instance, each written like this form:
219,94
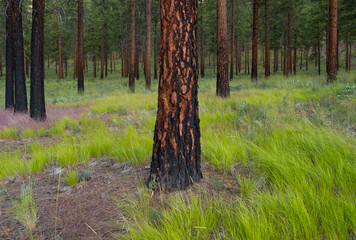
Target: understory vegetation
295,137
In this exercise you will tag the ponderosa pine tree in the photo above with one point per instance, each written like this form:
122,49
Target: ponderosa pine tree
332,46
254,41
132,69
59,50
176,150
80,72
19,68
148,45
37,97
222,85
9,93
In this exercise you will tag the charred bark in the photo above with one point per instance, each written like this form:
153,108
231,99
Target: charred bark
37,97
176,150
80,72
254,41
20,81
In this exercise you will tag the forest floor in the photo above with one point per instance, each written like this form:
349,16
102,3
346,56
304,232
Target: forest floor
278,160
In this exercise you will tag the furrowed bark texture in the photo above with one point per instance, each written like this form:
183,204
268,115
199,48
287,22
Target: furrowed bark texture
332,46
176,150
20,85
37,97
222,85
254,41
9,92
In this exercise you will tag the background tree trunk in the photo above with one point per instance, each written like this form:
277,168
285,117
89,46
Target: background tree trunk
232,40
148,46
80,55
102,42
155,53
176,150
254,41
59,50
132,47
267,56
9,92
37,97
94,67
222,86
289,45
20,81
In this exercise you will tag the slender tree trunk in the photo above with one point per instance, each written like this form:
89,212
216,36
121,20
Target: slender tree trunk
267,56
232,40
350,57
75,56
214,63
132,47
66,63
10,64
102,41
332,46
306,59
137,65
94,66
254,41
301,59
20,81
148,45
155,52
111,63
289,45
295,61
59,50
276,62
222,86
106,65
176,150
319,57
80,55
347,56
37,97
245,53
248,57
202,62
0,63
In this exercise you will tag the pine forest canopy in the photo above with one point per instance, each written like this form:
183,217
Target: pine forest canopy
71,34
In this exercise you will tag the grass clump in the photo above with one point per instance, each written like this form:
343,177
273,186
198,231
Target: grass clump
8,133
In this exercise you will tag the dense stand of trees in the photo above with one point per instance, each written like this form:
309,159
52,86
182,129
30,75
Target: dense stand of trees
104,31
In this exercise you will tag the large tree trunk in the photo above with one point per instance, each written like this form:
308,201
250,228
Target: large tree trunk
9,93
102,42
148,46
20,85
132,47
254,41
80,72
232,40
289,45
267,56
332,46
37,97
176,150
222,86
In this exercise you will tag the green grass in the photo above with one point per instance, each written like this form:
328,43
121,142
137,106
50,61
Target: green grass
296,137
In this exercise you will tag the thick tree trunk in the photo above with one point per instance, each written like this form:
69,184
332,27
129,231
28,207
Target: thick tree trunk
102,42
80,72
254,41
222,86
289,45
20,85
148,45
10,68
267,56
232,40
176,150
132,47
37,97
332,46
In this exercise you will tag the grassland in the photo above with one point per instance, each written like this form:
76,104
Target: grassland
295,137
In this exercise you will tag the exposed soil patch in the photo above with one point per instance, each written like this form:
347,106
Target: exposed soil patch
23,121
90,210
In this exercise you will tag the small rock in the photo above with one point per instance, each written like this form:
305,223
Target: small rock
126,169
